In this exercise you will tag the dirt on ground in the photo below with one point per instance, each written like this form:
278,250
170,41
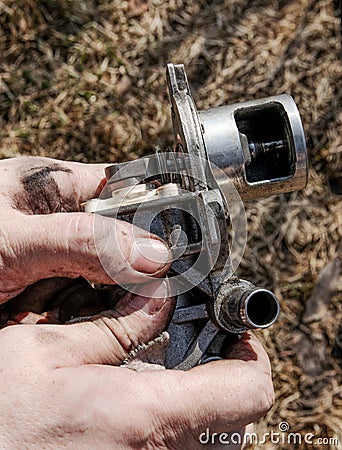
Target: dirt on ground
85,80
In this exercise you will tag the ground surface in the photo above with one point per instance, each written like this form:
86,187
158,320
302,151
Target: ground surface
84,80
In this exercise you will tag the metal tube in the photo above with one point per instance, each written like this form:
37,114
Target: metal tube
231,134
258,308
240,306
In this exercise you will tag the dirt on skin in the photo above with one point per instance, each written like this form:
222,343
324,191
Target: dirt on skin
85,80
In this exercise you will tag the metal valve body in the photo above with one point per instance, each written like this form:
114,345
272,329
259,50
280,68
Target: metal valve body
188,195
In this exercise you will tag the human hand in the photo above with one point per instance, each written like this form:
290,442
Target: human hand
38,241
66,371
61,388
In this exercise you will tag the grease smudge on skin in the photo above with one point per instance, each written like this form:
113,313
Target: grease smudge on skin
42,192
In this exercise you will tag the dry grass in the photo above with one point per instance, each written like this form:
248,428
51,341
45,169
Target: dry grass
84,80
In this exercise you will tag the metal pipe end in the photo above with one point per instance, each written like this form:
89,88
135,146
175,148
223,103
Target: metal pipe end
240,306
259,308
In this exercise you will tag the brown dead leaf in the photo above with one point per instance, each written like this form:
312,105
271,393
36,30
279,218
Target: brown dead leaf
137,7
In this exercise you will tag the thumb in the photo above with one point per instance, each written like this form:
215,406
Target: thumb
66,244
109,337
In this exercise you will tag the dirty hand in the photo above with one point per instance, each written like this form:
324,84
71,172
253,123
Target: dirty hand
62,379
61,389
38,241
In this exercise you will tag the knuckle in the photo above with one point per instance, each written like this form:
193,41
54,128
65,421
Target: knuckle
8,256
113,241
97,246
80,246
81,236
120,337
126,336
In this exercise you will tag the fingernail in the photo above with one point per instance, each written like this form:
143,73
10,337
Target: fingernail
149,306
149,255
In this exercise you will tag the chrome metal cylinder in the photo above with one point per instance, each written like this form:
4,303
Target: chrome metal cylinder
259,144
240,306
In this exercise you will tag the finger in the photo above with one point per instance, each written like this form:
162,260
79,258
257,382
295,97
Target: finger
218,397
44,185
110,336
39,295
87,179
232,393
30,318
67,245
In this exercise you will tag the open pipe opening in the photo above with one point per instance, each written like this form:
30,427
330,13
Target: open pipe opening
260,308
